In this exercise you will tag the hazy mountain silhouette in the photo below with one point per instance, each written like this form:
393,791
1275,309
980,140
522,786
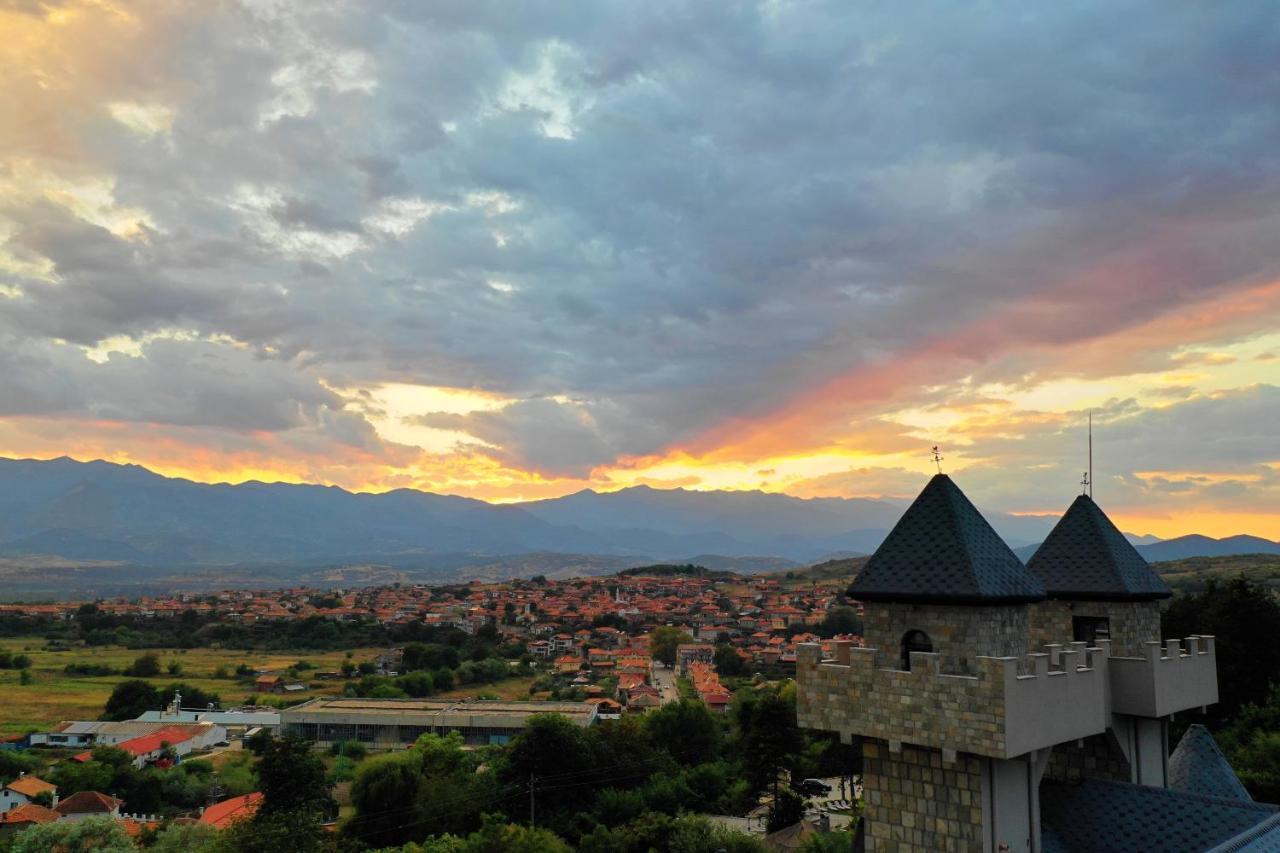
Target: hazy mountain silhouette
125,513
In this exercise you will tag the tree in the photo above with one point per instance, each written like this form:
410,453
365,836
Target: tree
185,838
728,662
840,620
1245,619
130,699
431,789
767,736
663,642
295,801
687,730
684,834
497,836
787,809
192,696
145,666
97,834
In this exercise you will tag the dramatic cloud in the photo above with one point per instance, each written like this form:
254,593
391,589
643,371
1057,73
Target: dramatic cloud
729,244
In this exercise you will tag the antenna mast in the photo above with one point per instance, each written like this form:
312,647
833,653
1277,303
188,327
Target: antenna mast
1090,485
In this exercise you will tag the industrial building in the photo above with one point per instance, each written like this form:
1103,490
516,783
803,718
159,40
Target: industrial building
392,723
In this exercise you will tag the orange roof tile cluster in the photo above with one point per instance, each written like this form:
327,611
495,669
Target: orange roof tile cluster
223,814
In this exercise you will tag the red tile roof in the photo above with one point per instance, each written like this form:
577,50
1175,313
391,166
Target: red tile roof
29,786
29,813
88,802
227,812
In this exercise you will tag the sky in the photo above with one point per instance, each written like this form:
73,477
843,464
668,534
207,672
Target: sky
514,250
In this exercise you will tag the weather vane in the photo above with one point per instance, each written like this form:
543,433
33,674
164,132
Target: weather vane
937,458
1084,483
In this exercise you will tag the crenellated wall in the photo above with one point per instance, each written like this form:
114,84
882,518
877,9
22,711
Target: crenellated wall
996,712
1177,676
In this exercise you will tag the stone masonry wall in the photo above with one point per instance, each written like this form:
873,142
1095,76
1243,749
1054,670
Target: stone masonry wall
959,634
958,712
1133,623
916,801
1097,757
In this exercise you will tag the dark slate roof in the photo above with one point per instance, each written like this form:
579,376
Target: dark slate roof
1085,556
1263,838
943,551
1116,817
1198,765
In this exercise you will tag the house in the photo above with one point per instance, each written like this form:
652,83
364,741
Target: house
24,817
687,653
269,683
223,814
24,790
153,748
85,804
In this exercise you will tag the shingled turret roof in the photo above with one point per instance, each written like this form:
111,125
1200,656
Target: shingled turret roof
1198,766
943,551
1086,557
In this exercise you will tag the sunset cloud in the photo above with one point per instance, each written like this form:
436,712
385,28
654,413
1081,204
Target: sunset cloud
512,251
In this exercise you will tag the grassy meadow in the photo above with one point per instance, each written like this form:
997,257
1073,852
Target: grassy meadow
53,695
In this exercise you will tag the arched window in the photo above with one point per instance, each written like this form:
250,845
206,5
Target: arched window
914,641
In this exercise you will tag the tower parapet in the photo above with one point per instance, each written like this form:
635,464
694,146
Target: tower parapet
1169,678
1010,707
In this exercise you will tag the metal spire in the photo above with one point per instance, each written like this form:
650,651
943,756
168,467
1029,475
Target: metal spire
937,458
1089,474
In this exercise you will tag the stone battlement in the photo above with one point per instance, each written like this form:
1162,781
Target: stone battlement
1011,706
1174,676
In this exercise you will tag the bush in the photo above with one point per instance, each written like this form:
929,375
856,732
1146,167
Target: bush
146,666
88,669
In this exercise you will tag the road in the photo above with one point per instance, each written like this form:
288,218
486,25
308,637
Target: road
665,680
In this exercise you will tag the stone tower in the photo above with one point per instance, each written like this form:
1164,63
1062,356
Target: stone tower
1098,585
958,718
944,582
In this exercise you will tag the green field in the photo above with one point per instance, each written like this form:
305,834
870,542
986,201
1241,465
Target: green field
53,695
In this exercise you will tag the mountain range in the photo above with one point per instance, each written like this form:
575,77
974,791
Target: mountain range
127,515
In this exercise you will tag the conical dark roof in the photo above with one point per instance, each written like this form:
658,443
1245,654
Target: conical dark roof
1199,767
943,551
1086,557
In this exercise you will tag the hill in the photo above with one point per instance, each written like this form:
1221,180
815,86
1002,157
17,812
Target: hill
1191,574
153,530
127,514
1196,545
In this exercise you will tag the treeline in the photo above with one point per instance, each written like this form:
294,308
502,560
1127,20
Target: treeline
1244,618
190,629
673,570
618,786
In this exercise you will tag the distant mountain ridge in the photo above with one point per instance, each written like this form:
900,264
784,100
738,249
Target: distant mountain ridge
125,514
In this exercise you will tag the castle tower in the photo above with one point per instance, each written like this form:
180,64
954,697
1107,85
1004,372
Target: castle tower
970,685
1098,585
944,582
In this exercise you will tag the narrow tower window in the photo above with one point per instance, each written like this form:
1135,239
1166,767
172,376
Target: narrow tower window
914,641
1090,629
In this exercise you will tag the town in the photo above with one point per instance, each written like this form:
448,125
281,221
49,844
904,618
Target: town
477,661
771,712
